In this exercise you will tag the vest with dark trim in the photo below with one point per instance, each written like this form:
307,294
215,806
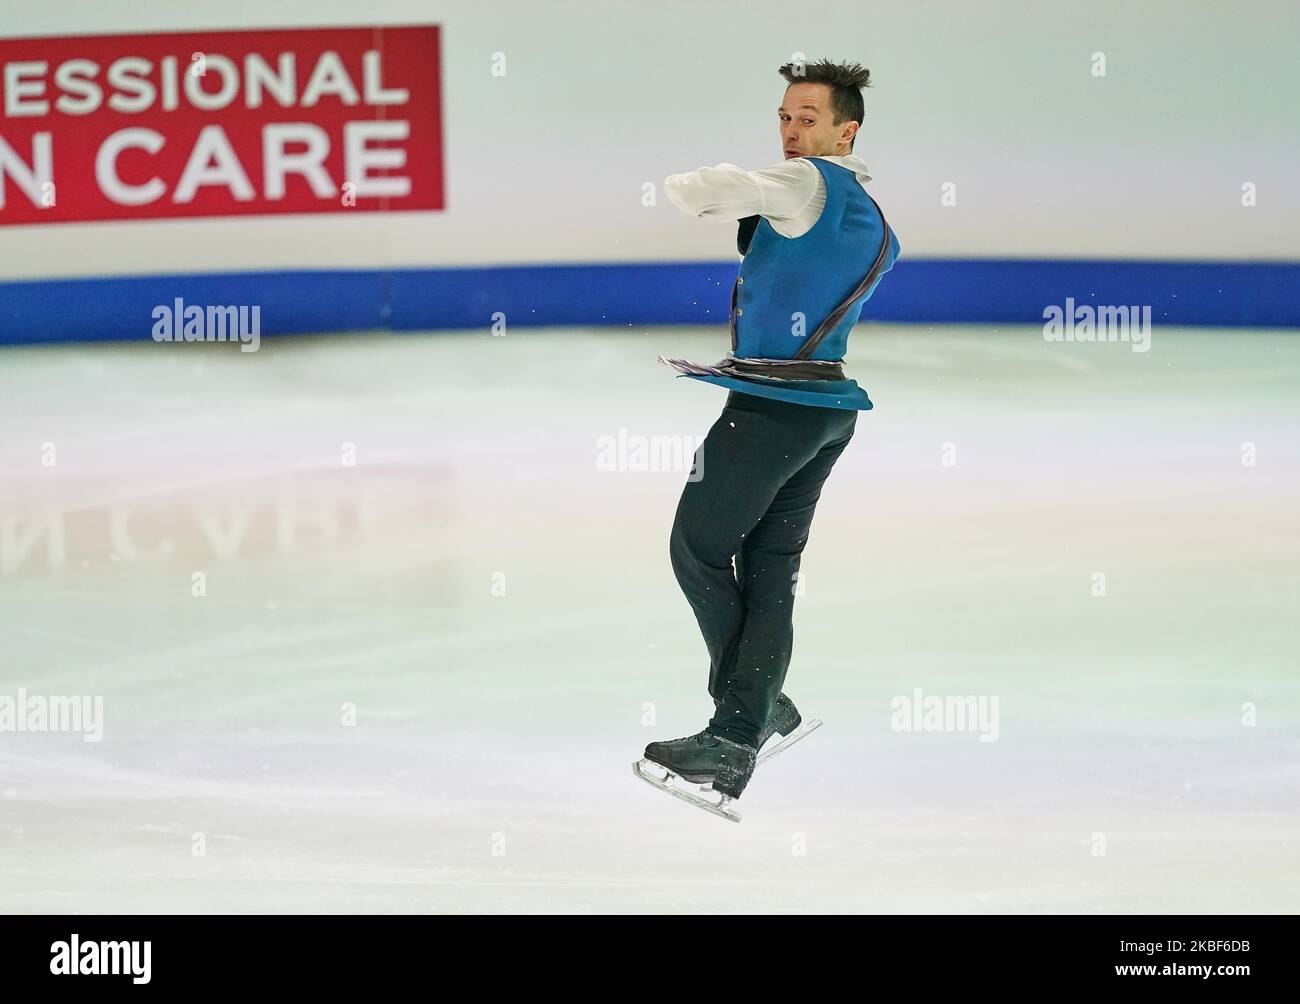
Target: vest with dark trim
797,299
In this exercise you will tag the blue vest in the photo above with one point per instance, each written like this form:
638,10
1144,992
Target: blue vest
798,298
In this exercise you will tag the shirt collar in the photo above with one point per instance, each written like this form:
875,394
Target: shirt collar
853,163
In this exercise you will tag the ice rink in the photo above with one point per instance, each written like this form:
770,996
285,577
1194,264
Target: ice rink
431,634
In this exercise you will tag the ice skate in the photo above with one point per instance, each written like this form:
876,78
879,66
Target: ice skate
786,722
700,759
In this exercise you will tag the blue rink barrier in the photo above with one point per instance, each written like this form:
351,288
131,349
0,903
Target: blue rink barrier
917,291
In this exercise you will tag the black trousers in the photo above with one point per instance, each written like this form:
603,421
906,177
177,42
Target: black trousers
763,466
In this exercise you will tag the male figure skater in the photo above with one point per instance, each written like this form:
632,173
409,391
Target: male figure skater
815,245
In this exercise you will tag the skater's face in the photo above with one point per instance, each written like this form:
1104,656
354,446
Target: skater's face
808,128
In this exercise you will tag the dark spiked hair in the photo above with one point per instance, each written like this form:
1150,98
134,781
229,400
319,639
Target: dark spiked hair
846,81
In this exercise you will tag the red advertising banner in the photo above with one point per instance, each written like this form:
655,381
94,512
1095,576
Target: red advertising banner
312,120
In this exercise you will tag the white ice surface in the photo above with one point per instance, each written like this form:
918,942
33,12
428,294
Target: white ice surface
489,767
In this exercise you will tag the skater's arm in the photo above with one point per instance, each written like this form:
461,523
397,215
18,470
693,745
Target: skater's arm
727,192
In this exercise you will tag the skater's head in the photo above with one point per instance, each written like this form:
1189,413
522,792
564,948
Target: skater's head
822,109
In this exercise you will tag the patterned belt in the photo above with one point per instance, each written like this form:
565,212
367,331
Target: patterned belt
769,369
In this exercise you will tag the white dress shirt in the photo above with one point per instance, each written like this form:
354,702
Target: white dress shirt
790,196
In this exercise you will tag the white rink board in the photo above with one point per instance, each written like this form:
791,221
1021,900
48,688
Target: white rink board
548,163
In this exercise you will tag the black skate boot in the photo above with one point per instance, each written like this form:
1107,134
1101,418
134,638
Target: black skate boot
704,757
783,720
734,769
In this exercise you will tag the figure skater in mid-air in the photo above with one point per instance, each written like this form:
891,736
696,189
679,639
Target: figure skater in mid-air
815,245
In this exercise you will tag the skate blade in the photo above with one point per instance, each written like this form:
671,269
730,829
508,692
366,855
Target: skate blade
644,770
788,741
